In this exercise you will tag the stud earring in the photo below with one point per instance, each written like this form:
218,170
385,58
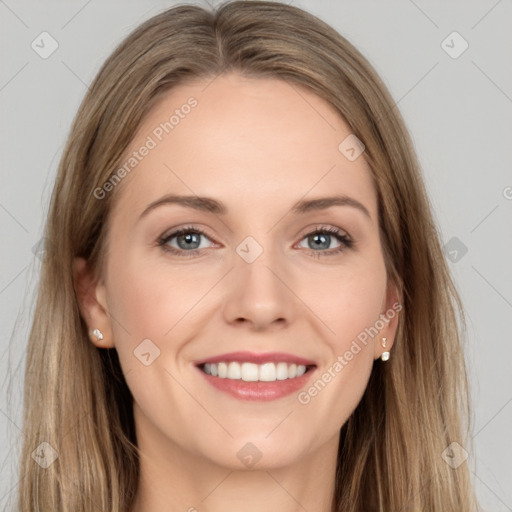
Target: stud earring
98,334
385,355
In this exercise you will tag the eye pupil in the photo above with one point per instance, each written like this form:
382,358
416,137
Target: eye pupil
324,244
188,238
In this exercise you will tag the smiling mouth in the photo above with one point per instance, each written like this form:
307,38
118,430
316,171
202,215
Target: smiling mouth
252,372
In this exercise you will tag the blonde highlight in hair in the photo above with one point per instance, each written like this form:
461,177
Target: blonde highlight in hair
76,398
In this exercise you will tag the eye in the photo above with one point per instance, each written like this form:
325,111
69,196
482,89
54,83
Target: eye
322,238
187,240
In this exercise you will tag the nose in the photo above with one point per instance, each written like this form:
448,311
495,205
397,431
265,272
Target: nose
259,294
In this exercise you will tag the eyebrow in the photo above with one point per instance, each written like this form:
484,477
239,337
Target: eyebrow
210,205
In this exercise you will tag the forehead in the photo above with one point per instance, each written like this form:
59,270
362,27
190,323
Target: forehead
247,142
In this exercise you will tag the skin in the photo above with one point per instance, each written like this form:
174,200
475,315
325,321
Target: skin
259,146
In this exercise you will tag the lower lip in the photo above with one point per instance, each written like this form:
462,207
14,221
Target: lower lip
262,391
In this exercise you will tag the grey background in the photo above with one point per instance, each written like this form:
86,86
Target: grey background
458,110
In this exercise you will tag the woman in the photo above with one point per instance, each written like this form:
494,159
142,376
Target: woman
244,302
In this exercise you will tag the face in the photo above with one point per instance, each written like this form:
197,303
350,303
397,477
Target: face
261,273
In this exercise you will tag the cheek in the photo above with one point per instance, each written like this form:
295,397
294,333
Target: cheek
349,302
152,308
351,308
156,301
151,296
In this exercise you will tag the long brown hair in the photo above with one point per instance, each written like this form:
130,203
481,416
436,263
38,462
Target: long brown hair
76,399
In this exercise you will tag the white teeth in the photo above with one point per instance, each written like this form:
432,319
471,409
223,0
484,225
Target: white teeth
267,372
223,370
281,371
250,372
234,371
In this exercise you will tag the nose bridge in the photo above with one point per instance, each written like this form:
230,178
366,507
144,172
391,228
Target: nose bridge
257,292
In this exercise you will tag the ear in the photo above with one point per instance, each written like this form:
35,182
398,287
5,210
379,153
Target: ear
92,302
389,316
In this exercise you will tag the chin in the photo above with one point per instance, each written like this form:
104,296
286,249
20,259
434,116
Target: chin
255,453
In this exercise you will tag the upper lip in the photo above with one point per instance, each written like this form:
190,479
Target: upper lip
261,358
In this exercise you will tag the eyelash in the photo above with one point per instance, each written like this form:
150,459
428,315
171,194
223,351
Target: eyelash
345,241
